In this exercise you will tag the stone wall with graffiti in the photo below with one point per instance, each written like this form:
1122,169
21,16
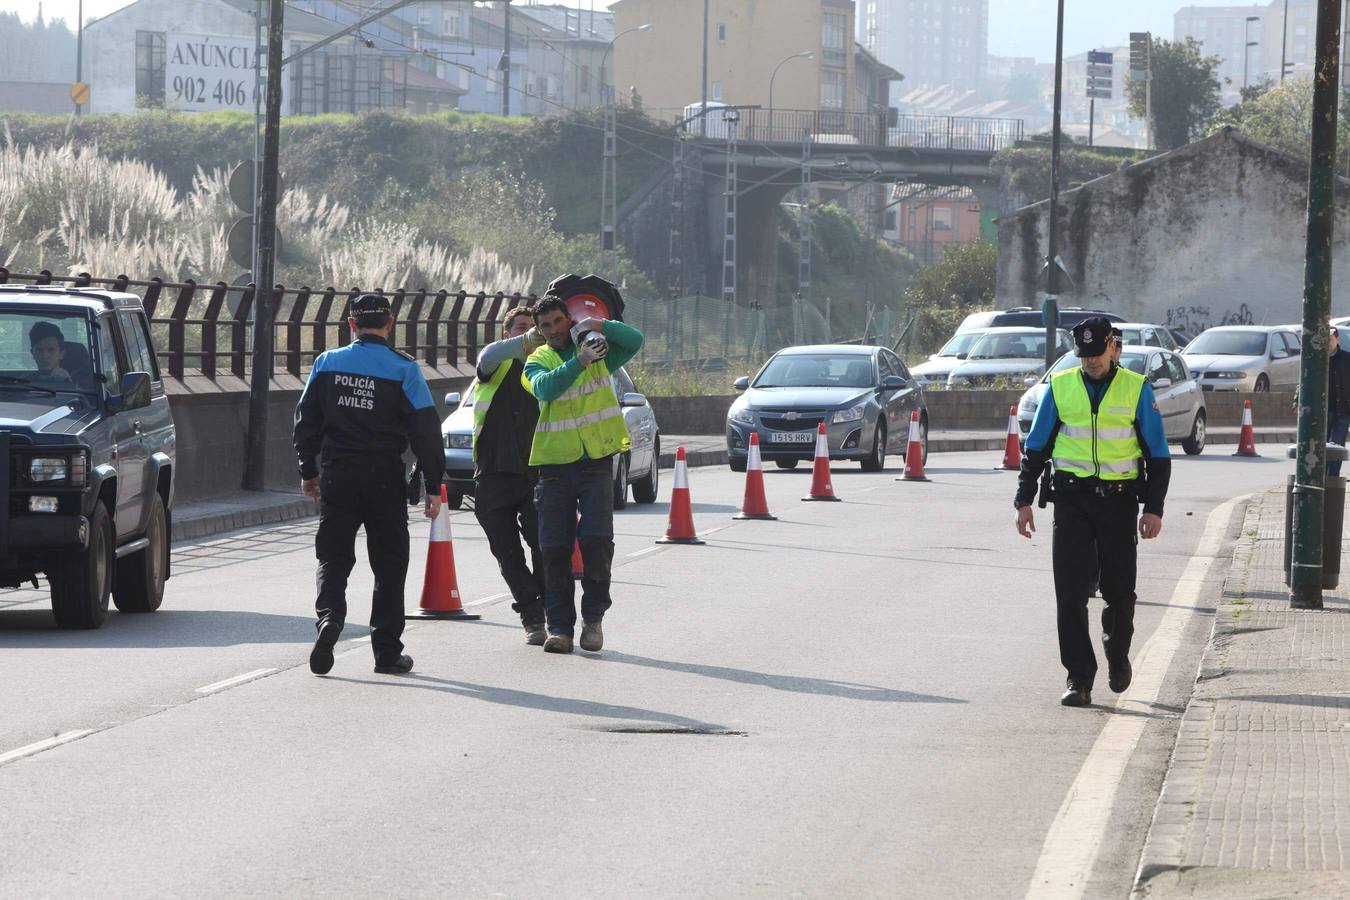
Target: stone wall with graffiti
1211,234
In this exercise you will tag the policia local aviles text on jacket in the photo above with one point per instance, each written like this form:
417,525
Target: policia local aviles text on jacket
504,416
362,406
1099,429
580,429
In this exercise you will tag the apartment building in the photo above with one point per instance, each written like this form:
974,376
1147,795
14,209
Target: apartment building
934,42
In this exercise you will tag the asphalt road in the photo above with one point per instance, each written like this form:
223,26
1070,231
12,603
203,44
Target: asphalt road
878,680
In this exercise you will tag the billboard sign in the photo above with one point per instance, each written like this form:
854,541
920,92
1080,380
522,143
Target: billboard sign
203,72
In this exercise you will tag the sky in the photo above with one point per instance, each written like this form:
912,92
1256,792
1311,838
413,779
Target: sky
1016,27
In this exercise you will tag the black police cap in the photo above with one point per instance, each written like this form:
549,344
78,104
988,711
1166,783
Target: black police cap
370,304
1091,334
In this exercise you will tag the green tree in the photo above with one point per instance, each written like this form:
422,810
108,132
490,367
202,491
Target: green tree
962,282
1185,92
1281,117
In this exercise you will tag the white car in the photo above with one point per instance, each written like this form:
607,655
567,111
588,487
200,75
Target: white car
1179,397
1007,353
941,363
1246,358
1145,335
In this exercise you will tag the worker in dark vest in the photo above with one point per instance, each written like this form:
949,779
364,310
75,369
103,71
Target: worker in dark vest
504,416
1099,430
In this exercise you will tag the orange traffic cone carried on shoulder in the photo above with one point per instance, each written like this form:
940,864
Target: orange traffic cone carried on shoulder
1247,439
821,487
754,506
1012,451
914,452
681,527
440,589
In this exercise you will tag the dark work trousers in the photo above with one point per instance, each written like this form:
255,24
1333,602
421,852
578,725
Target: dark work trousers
504,506
370,492
1094,532
585,487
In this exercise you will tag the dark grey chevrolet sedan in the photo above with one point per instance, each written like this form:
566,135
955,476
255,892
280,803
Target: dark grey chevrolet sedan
864,395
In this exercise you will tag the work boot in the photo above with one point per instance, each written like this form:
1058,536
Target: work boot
398,665
535,634
558,643
321,657
1076,695
1121,674
592,638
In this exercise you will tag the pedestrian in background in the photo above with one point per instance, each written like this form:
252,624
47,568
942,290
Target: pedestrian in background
1099,429
580,429
361,407
1338,397
504,416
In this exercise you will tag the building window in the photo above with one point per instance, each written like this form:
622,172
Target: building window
150,68
717,91
721,33
832,90
452,25
833,34
942,218
586,79
892,220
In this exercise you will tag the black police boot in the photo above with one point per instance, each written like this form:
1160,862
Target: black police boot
398,665
321,657
1120,674
1076,695
535,633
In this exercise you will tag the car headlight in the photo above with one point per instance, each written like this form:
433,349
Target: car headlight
852,414
458,441
744,415
48,468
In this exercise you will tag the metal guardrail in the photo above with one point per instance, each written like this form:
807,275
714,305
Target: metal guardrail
210,325
838,128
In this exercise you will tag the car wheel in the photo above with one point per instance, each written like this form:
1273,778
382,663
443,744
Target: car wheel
644,491
621,483
454,500
737,465
1262,384
786,463
1195,444
80,588
138,580
876,460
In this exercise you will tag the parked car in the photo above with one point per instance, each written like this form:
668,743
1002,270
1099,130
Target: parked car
1007,353
940,364
1246,358
1029,317
639,468
864,395
90,449
1146,335
1178,394
1181,337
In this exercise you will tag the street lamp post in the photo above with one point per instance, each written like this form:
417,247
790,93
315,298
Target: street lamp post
609,174
805,54
1284,42
1247,45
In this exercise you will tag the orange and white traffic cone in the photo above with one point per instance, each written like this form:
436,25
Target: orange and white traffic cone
754,506
821,487
440,589
680,530
914,452
1012,451
578,565
1247,440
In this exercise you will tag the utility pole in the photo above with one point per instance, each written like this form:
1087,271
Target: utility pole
1050,308
1284,42
506,58
804,222
1309,498
265,238
703,117
79,52
729,222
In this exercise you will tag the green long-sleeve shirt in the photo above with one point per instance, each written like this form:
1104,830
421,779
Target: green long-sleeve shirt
549,384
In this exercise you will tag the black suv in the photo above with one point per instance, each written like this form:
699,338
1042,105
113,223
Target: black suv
87,446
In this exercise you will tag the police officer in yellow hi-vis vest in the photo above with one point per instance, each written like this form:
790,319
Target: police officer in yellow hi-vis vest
1099,429
504,416
580,429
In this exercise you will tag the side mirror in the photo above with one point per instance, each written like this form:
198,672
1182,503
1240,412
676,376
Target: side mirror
741,383
452,400
893,383
631,399
1161,383
135,391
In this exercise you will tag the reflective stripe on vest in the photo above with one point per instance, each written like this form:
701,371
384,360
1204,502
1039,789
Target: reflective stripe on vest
1104,445
482,400
585,422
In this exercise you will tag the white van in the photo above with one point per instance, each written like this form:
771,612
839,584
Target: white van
719,118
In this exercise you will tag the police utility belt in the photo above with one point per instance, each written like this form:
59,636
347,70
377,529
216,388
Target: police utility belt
1062,483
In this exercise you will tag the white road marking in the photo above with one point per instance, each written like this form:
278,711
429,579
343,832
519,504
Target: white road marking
39,746
486,600
641,552
1075,838
231,682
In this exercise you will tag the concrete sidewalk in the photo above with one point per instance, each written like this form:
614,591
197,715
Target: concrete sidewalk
1256,801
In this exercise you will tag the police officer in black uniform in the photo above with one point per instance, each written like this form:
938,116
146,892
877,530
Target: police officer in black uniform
362,406
1099,428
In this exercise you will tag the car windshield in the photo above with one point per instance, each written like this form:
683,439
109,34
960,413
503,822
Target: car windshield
851,370
1132,336
1132,361
1010,345
46,351
1228,343
959,344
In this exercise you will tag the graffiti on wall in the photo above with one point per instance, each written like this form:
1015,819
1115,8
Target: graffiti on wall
1195,319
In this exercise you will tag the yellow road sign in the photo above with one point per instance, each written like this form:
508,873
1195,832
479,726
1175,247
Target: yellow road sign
79,92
